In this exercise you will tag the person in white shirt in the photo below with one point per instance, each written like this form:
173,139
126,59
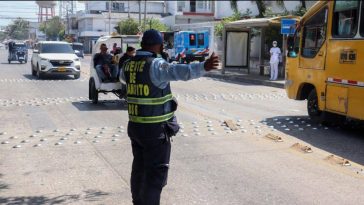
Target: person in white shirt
275,53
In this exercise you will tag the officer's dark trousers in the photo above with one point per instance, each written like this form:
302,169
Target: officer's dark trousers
151,149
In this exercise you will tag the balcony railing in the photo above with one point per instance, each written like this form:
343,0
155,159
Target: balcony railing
209,13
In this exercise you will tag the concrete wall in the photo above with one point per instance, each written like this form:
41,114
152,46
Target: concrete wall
152,6
100,22
223,8
169,21
171,7
95,5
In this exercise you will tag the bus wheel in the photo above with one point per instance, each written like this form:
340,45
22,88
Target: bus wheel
312,106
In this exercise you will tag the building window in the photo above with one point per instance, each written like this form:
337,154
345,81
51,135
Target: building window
181,5
345,18
88,25
192,5
201,39
314,34
116,7
203,6
192,39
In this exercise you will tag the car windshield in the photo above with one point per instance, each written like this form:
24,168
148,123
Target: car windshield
20,45
56,48
77,47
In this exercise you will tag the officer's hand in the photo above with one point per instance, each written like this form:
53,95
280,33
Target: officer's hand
212,63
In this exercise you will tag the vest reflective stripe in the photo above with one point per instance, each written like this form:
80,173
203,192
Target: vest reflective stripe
150,101
154,119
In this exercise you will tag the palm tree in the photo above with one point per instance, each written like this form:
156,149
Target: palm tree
261,4
303,4
262,7
234,5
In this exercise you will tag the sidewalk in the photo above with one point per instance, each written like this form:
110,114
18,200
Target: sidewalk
240,76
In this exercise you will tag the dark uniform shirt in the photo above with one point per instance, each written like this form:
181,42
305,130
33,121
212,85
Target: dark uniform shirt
102,59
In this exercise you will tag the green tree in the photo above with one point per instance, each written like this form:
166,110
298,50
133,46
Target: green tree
156,25
237,15
52,28
2,35
127,27
131,27
18,29
301,9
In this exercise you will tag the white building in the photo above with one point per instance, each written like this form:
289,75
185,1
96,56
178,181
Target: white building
204,15
95,21
193,11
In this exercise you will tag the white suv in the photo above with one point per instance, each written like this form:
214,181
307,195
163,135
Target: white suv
55,57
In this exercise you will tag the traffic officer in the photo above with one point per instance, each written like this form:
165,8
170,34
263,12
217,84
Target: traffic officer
151,108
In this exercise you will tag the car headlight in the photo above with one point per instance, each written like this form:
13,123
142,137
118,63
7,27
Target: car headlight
76,59
43,59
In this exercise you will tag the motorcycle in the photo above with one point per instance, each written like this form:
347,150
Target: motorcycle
18,52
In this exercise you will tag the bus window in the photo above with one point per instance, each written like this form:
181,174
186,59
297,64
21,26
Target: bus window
345,18
362,20
297,39
192,39
201,39
314,34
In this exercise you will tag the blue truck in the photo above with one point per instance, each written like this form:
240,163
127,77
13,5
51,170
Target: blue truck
186,46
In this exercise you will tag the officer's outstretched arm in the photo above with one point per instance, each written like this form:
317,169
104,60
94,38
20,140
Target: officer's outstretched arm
162,72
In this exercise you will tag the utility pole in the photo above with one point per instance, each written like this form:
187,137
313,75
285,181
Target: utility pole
140,14
72,7
45,29
68,21
60,9
128,8
145,14
110,17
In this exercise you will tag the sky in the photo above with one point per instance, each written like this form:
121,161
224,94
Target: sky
24,9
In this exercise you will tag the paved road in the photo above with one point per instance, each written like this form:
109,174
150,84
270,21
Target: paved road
58,148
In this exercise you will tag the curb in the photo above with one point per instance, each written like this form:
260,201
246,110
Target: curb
245,80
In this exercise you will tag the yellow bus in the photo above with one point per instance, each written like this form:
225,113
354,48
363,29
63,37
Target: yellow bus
325,61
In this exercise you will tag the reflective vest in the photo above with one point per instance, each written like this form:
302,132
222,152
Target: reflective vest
146,102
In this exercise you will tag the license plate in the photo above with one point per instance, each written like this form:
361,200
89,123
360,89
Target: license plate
21,58
62,69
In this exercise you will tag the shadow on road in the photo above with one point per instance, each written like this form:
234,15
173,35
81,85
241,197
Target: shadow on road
13,62
49,77
102,105
2,184
94,195
341,142
89,195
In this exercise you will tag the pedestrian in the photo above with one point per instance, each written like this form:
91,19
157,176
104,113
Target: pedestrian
130,52
151,108
275,53
104,65
114,47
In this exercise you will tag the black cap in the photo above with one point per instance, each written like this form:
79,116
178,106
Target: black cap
152,37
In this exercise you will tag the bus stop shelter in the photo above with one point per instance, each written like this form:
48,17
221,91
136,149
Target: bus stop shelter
237,41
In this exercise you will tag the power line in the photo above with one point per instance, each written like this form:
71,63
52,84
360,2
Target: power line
28,12
11,18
